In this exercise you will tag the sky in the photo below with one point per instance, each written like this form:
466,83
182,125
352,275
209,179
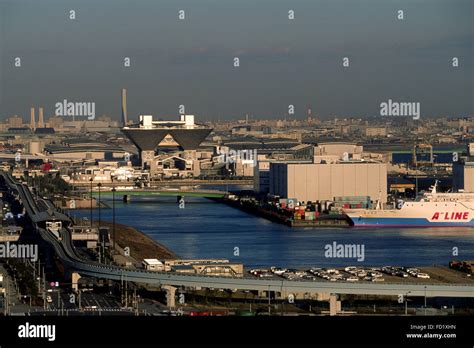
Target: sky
283,62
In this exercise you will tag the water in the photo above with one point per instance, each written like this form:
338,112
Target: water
205,229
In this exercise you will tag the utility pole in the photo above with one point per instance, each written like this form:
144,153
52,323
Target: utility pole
121,287
59,298
79,300
113,218
103,250
135,301
99,185
7,295
44,290
406,302
425,299
39,276
269,304
126,291
91,200
416,177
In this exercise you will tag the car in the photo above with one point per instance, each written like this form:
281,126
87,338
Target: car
423,276
402,274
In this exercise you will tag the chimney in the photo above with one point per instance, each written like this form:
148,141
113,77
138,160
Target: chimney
124,107
32,119
40,118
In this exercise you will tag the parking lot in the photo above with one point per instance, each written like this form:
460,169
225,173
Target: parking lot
347,274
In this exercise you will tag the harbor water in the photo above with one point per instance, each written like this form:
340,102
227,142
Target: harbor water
207,229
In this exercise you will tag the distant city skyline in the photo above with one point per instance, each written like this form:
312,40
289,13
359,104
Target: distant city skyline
282,62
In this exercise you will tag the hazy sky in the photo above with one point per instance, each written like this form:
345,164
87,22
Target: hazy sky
282,61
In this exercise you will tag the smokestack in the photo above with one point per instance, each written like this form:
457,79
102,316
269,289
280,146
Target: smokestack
32,119
40,118
124,107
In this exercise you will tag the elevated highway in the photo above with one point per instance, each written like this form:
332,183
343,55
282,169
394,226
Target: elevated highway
39,214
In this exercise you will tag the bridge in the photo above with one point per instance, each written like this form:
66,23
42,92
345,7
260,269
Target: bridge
162,192
168,183
64,248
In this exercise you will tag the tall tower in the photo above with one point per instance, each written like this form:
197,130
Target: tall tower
124,107
40,118
32,119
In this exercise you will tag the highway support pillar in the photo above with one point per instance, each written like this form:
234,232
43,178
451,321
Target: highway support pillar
75,280
334,304
170,295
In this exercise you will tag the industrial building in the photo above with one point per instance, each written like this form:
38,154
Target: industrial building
214,267
375,131
322,153
324,181
153,265
463,171
83,149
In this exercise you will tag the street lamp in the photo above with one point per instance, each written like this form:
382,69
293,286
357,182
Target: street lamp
425,299
99,186
406,302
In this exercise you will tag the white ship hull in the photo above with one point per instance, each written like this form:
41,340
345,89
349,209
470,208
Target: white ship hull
417,214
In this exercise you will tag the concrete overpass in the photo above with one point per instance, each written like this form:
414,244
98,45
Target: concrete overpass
166,183
158,192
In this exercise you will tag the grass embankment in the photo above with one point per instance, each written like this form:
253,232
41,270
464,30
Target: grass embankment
141,246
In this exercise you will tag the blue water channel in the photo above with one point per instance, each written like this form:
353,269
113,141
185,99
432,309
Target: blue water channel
206,229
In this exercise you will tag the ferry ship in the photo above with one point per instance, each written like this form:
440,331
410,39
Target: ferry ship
432,209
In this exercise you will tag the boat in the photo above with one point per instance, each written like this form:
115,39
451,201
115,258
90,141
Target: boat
432,209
